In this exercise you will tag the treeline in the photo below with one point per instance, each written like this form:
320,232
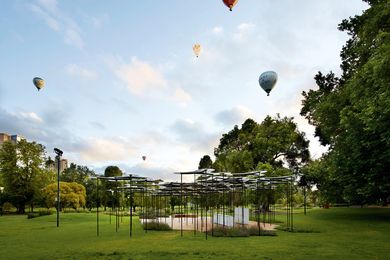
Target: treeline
29,179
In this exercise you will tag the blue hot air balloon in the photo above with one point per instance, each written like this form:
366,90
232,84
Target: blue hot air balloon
267,81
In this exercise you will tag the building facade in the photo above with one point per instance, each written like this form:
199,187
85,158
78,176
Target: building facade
6,137
63,164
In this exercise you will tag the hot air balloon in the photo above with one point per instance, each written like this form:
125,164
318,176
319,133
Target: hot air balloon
230,3
197,49
39,83
267,80
144,157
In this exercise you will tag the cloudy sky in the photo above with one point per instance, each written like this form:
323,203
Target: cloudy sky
122,80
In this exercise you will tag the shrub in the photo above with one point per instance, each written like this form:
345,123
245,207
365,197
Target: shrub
219,231
156,226
299,230
147,215
7,207
32,215
45,212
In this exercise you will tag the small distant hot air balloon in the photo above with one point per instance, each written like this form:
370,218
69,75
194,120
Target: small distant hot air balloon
267,80
143,157
39,83
230,3
197,49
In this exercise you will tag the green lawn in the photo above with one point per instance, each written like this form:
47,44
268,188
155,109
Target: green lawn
342,233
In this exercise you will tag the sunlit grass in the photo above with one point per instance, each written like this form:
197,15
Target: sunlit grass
348,233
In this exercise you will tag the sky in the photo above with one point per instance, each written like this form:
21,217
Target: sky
122,80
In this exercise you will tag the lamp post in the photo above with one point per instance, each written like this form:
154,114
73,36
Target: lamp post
58,158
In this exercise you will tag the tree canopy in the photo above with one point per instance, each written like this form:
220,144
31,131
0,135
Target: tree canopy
351,113
72,195
112,171
23,172
275,142
205,162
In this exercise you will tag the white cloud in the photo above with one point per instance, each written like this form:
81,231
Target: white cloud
234,116
194,134
72,37
50,21
32,116
140,77
243,30
58,21
49,5
76,70
182,96
106,150
217,30
97,21
153,171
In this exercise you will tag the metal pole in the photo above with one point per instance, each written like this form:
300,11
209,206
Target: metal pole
292,205
97,207
58,189
258,206
181,204
193,205
304,200
131,210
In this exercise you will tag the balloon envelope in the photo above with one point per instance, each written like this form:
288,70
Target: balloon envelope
197,49
144,157
39,83
267,81
230,3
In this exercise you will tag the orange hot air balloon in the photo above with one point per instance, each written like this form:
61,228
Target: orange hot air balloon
197,49
230,3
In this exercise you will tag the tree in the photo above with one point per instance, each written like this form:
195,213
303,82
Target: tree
72,195
276,141
109,198
352,113
22,170
112,171
205,162
76,173
82,175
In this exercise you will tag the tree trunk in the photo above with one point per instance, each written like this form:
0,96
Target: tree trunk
20,209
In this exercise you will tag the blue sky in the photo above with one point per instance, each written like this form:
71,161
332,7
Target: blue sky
122,80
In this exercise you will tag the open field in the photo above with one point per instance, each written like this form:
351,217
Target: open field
348,233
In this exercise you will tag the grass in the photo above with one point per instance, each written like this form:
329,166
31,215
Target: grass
349,233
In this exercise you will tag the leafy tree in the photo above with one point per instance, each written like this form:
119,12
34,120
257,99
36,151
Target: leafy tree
205,162
49,163
352,113
276,141
22,170
112,171
82,175
72,195
109,198
77,173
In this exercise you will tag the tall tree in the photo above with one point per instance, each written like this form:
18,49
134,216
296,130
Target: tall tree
276,141
112,171
77,173
22,169
205,162
109,198
352,113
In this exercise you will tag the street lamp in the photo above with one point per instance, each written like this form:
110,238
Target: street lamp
58,158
